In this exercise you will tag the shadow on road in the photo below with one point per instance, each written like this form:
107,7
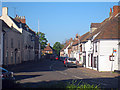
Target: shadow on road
37,66
20,77
101,82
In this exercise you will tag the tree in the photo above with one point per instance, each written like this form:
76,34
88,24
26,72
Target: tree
57,47
42,39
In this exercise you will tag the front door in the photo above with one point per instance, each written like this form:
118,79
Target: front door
91,60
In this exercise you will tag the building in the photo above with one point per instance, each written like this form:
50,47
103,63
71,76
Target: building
48,50
1,43
103,54
11,45
19,39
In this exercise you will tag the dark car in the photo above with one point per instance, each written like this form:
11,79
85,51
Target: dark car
52,57
6,75
70,62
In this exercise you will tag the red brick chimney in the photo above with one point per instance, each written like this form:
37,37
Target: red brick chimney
110,12
20,19
48,44
116,10
23,20
77,35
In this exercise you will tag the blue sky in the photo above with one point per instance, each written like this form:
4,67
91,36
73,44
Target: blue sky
60,20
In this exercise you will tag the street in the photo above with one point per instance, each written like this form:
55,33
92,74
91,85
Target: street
46,73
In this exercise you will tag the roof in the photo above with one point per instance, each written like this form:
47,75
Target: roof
95,25
3,24
110,30
24,25
84,37
75,42
48,48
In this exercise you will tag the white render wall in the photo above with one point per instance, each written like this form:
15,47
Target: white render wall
87,49
105,50
66,51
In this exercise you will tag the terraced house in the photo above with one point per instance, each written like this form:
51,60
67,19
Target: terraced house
19,39
99,48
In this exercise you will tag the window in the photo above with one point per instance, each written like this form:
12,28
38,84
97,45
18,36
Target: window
12,57
11,42
81,48
95,47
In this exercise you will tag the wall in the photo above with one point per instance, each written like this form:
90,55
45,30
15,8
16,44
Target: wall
106,49
12,55
1,46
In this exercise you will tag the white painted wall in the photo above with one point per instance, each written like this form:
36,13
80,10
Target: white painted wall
106,49
8,20
87,49
66,51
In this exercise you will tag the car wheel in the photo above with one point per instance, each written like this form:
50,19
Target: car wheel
66,66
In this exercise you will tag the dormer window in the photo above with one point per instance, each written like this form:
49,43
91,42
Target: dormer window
20,25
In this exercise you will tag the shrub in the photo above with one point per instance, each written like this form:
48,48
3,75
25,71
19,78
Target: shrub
81,86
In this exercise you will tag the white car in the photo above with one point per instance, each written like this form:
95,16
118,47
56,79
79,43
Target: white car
71,62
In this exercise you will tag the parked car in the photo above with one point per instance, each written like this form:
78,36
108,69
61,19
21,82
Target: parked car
70,62
52,57
6,75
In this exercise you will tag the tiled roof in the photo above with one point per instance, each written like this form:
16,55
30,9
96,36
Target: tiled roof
96,25
24,25
110,30
84,37
48,48
75,42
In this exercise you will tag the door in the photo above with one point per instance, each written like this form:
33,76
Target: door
91,60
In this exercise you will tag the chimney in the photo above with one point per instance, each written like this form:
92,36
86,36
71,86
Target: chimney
116,10
66,41
71,39
77,35
4,11
22,19
48,44
110,12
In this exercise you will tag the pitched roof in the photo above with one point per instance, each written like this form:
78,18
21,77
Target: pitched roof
48,48
110,30
84,37
96,25
75,42
24,25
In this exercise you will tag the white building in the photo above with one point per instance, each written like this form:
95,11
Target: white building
105,45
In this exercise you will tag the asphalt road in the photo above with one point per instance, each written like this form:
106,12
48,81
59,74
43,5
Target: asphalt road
47,73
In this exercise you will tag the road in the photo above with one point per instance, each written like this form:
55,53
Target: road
47,73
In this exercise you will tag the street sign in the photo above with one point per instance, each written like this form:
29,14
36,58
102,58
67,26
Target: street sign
111,57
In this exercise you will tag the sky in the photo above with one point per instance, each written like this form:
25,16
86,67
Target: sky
60,20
